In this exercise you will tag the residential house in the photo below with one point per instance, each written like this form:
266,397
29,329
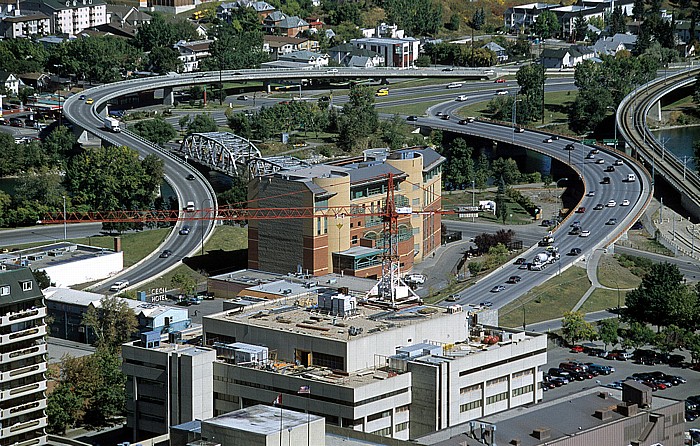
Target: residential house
398,53
348,55
315,60
315,24
72,16
169,6
124,20
682,31
191,53
608,5
24,25
38,81
225,10
522,17
611,45
567,16
498,50
280,45
565,57
10,82
281,24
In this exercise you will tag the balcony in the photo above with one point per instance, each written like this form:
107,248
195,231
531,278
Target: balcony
39,349
21,428
22,372
22,316
22,409
23,335
23,391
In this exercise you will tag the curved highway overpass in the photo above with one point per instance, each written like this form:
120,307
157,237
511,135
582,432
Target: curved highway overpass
88,117
631,121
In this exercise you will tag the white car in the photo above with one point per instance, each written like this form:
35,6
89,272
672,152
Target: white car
454,85
332,70
461,98
118,286
618,162
416,278
501,92
625,203
585,233
611,204
591,193
600,161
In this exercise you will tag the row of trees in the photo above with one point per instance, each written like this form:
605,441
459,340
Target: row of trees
663,300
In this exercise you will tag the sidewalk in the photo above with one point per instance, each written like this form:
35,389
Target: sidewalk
677,232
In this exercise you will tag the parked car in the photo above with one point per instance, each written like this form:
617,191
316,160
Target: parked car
601,369
577,349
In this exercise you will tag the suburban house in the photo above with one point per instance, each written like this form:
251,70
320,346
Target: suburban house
498,50
16,24
522,17
38,81
283,25
224,10
10,82
567,16
191,53
398,53
348,55
611,45
72,16
315,60
124,20
280,45
566,57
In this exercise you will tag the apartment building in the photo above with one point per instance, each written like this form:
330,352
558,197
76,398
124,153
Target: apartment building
350,243
72,16
397,52
22,359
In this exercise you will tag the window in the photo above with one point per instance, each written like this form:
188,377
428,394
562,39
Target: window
386,432
5,290
469,389
470,406
354,240
401,427
496,381
403,408
27,286
496,398
523,390
378,415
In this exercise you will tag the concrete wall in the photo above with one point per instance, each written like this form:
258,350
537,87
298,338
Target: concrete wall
86,270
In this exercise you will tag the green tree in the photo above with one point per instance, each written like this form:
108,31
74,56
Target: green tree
638,9
693,346
156,130
359,118
531,80
637,335
507,170
575,328
62,407
501,207
617,21
113,323
394,132
475,268
202,123
101,59
237,195
417,17
238,45
501,108
109,398
648,303
161,33
546,25
671,338
42,279
483,171
580,28
608,331
497,255
184,282
478,19
164,60
460,167
59,145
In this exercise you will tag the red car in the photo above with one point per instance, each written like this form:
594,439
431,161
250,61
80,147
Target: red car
577,349
500,81
581,210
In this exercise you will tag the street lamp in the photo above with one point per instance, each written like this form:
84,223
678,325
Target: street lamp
515,111
610,107
203,223
473,205
65,229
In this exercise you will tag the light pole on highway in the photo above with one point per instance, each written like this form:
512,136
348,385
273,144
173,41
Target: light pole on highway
515,111
473,191
615,122
204,220
65,228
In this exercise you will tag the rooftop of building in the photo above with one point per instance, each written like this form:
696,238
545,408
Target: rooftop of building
54,254
520,422
14,277
262,419
180,349
254,277
385,40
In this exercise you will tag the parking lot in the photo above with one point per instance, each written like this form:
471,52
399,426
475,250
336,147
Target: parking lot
623,369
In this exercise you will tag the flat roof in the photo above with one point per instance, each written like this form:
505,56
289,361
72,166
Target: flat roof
261,419
282,288
252,277
54,254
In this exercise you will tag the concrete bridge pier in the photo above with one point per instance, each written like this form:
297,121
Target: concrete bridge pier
656,110
267,87
168,97
690,205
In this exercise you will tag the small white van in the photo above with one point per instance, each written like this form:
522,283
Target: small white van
455,85
190,206
631,177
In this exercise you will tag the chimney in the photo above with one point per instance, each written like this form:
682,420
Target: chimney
627,409
603,414
117,244
542,433
515,442
603,395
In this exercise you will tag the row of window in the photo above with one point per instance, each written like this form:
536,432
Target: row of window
378,415
494,382
386,432
468,389
26,286
522,373
523,390
496,398
470,406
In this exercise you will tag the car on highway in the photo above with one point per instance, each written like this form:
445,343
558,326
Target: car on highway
454,85
581,210
461,98
514,279
332,71
119,285
520,260
590,156
611,222
90,101
609,169
448,69
598,206
412,118
585,233
547,140
519,130
415,278
16,122
606,180
569,147
487,303
463,122
499,81
452,298
600,161
611,203
445,117
618,162
591,193
165,254
438,114
501,92
185,230
498,289
575,251
190,177
382,92
594,151
625,203
243,97
81,97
